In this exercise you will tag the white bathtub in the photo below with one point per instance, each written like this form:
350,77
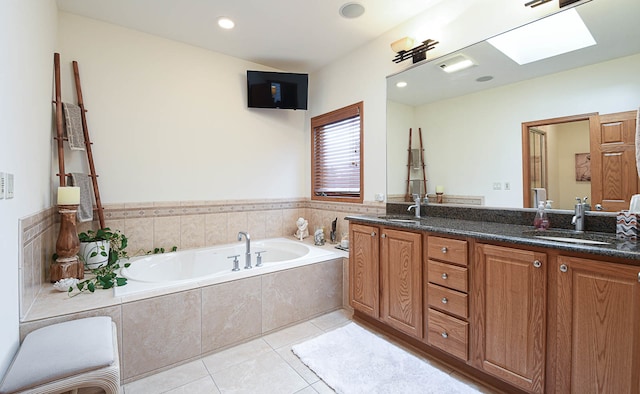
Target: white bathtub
206,266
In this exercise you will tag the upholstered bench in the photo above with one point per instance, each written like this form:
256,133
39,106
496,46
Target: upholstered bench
66,356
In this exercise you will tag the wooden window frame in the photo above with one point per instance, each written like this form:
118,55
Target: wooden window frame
334,117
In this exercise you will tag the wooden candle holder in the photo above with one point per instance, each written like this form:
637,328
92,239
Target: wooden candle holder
67,264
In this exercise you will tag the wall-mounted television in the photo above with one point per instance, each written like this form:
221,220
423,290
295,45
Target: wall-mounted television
267,89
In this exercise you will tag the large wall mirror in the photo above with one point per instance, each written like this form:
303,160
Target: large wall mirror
472,120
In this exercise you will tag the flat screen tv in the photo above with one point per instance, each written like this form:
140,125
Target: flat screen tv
267,89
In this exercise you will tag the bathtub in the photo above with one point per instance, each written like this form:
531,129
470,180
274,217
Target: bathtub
211,265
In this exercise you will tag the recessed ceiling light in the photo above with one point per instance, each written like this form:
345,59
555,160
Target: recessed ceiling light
554,35
351,10
456,63
225,23
401,84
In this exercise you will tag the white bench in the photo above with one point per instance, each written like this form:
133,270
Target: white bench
66,356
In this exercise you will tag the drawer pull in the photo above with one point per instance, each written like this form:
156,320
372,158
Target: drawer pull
445,335
444,249
444,300
445,276
383,235
373,233
537,264
563,268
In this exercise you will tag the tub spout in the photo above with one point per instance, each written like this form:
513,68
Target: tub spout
247,253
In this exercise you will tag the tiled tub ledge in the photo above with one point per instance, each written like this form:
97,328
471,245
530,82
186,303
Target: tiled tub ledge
159,330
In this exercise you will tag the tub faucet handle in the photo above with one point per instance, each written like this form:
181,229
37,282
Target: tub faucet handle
236,262
259,258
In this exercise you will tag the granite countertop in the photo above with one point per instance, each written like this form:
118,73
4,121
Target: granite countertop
511,233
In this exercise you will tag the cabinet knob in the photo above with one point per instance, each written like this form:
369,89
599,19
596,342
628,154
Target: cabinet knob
444,249
373,233
564,268
537,264
383,235
445,276
445,335
444,300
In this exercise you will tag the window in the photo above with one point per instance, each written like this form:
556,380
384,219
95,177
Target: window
336,155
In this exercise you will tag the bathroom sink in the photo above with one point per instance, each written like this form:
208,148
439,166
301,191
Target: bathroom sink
574,237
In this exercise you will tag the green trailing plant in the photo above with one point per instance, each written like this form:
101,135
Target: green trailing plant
104,277
161,250
117,243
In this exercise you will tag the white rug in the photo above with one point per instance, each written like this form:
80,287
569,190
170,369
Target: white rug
351,359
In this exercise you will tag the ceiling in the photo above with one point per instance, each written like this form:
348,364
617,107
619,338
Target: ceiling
290,35
613,25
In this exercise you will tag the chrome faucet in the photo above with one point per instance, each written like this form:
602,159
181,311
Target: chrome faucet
578,216
247,253
416,199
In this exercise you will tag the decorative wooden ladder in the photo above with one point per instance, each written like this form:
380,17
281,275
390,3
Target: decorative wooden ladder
408,196
60,130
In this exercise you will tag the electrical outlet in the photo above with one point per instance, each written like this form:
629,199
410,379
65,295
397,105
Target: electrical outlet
497,186
3,184
9,187
507,186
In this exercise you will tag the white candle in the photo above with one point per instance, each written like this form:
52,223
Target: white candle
439,189
68,195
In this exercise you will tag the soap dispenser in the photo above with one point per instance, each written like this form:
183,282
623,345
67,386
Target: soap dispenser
541,221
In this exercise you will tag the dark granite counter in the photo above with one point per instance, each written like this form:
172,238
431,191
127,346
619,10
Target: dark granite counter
608,244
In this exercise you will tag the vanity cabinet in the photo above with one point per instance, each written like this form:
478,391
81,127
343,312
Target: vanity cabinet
446,286
509,292
364,269
597,334
385,271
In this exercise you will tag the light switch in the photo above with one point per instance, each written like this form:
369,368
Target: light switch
9,187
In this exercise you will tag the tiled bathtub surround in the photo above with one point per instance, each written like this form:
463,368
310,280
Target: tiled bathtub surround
160,332
186,225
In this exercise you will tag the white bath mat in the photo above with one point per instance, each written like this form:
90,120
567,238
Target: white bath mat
353,360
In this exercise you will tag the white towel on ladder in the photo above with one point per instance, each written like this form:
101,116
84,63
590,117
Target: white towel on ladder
73,126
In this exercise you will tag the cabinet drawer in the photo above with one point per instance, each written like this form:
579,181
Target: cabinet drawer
448,300
448,333
447,275
446,249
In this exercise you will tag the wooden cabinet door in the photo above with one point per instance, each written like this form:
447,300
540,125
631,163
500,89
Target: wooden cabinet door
614,178
401,287
598,327
508,318
364,269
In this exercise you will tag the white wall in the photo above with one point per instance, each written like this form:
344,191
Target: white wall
475,140
170,121
27,39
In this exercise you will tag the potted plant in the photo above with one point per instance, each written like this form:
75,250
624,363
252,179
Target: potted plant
102,247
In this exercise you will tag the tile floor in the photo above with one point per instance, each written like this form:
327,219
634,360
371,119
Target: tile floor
263,365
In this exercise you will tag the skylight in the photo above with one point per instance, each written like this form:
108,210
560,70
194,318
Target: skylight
551,36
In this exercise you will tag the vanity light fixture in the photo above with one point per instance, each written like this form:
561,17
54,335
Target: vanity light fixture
456,63
225,23
403,49
551,36
535,3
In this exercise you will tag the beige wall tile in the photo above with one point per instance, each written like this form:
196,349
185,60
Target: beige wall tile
160,331
231,312
236,221
273,224
296,294
139,231
215,229
256,223
191,232
166,232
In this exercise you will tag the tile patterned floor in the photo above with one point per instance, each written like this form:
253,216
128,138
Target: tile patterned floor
264,365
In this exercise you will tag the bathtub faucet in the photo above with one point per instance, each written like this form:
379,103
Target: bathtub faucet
247,253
